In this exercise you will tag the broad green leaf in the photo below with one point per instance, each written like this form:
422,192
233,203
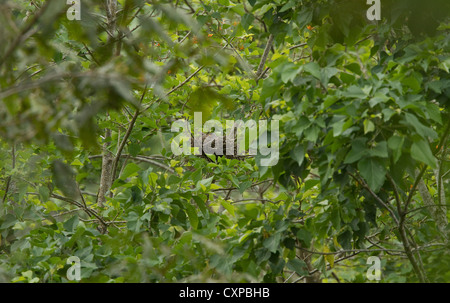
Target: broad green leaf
357,152
368,126
312,68
421,129
130,170
289,72
344,239
71,224
380,150
44,193
305,16
373,171
192,215
298,154
329,258
420,151
247,20
79,232
228,207
299,266
201,204
395,143
64,179
272,243
304,236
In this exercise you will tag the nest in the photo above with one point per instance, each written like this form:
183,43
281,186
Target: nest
209,144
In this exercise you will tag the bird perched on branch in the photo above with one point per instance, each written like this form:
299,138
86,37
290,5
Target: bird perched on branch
209,141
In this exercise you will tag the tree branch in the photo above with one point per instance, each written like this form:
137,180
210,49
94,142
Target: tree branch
264,56
363,184
8,181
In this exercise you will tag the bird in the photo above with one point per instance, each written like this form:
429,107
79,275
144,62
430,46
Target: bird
209,140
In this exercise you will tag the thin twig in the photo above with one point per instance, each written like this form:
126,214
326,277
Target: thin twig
266,52
363,184
8,181
126,136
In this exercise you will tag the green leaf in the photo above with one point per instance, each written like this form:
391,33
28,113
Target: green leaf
239,9
304,236
228,207
201,204
345,239
380,150
354,67
206,183
420,151
329,100
378,98
298,154
347,78
9,220
421,129
396,144
357,152
244,185
368,126
312,68
44,193
71,224
247,20
272,243
289,72
304,17
327,73
80,231
298,266
192,214
64,179
134,149
433,112
339,127
130,169
287,6
354,92
373,171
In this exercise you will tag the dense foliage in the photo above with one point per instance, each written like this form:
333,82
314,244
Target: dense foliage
87,170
